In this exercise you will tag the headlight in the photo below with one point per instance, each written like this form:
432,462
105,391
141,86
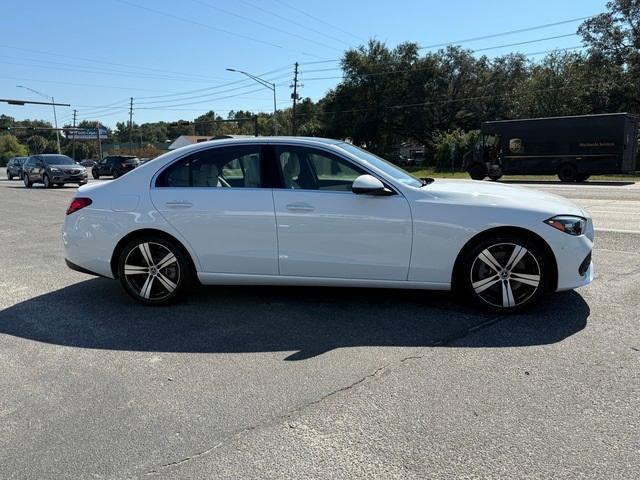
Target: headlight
55,170
568,224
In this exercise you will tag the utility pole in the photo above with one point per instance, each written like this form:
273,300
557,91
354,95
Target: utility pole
75,112
294,96
99,142
131,125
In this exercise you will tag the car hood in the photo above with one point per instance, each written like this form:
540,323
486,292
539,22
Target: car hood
475,192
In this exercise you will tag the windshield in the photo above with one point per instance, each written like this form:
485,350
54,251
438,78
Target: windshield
387,167
58,160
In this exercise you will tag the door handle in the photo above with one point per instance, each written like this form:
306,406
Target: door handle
179,204
300,207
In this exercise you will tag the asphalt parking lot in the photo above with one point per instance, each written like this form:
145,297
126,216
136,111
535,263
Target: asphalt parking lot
314,383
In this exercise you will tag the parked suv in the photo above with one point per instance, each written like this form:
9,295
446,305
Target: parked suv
52,170
14,167
114,166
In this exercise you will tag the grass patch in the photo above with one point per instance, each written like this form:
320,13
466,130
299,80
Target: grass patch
431,172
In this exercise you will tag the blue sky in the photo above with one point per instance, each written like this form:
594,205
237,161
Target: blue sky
95,55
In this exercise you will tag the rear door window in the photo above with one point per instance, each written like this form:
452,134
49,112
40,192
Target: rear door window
224,167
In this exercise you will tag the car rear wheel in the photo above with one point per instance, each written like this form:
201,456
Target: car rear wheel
95,175
567,172
505,274
477,171
495,178
153,270
116,174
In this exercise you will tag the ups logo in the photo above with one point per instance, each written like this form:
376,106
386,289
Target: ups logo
515,145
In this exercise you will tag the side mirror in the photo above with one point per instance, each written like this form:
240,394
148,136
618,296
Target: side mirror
369,185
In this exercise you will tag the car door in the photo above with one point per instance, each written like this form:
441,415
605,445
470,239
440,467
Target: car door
326,230
217,200
104,166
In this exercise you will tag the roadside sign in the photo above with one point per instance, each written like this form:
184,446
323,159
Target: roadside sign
86,134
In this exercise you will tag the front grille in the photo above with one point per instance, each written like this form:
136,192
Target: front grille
584,266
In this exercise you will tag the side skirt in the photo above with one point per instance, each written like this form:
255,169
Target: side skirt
247,279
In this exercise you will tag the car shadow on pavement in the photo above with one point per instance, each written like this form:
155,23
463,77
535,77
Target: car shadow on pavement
310,321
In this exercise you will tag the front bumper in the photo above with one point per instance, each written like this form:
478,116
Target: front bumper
65,178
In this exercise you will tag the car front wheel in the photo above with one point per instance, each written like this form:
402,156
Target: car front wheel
153,270
505,274
25,179
95,174
9,176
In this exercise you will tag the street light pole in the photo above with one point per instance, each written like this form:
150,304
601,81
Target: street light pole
55,118
266,84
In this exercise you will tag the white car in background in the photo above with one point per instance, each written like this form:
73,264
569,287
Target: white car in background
318,212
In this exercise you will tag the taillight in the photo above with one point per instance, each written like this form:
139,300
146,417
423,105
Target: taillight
77,204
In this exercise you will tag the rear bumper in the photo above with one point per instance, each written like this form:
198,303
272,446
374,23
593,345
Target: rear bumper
80,269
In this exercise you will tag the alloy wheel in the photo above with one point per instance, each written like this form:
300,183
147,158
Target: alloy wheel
505,275
152,271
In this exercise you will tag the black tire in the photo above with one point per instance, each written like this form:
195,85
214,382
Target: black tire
567,172
58,185
95,174
501,289
115,174
26,181
9,175
495,178
134,280
582,177
46,181
477,171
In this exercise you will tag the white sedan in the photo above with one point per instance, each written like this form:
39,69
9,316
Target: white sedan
318,212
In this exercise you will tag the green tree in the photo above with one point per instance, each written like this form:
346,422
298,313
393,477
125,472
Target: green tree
10,147
37,144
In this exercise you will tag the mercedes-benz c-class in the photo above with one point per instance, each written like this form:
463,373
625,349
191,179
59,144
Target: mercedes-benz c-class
319,212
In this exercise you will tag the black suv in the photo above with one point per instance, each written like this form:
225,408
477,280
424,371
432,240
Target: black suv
14,167
52,170
114,166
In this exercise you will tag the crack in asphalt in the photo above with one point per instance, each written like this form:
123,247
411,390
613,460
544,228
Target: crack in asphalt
291,413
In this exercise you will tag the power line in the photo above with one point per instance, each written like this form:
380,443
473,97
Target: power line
264,25
102,71
293,22
92,85
444,101
222,85
510,32
209,94
211,27
317,19
526,42
474,39
91,60
394,72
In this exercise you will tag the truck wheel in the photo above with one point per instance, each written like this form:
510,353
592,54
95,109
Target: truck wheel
495,178
567,172
477,171
582,177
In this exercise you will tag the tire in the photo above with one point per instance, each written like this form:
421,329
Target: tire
26,181
567,172
82,183
477,171
144,279
504,287
58,185
495,178
115,174
582,177
9,176
95,175
45,180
